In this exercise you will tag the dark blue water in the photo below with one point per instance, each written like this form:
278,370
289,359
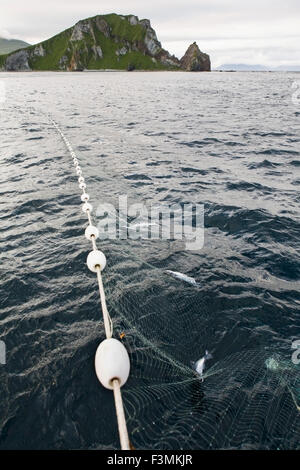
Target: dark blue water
229,141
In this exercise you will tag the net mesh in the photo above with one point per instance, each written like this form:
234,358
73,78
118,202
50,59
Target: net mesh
250,395
165,323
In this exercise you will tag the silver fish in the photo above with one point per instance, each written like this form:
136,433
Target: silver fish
200,364
183,277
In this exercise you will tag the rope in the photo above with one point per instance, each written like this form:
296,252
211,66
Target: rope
108,324
124,440
106,316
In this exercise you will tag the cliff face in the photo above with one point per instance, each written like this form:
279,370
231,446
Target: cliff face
195,61
102,42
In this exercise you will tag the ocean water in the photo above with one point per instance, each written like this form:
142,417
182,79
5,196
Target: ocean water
229,141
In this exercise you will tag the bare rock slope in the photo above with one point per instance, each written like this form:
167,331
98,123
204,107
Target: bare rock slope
195,61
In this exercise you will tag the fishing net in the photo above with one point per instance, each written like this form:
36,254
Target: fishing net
249,398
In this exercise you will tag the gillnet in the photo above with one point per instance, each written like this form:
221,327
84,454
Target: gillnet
250,395
244,402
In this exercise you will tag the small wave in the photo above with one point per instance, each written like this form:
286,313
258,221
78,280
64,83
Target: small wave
277,152
256,224
35,138
245,186
272,134
158,163
194,170
201,143
137,177
83,148
154,134
37,162
212,141
18,158
34,130
263,164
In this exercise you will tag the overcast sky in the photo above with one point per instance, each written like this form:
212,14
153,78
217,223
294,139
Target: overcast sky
231,31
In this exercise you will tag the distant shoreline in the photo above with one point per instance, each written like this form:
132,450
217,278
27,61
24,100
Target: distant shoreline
152,71
104,71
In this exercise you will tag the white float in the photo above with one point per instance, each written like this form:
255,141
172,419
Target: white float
91,232
87,207
96,258
85,197
112,362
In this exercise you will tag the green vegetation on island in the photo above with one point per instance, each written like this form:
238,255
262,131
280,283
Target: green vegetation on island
101,42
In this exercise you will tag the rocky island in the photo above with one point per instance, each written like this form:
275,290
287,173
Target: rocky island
104,42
